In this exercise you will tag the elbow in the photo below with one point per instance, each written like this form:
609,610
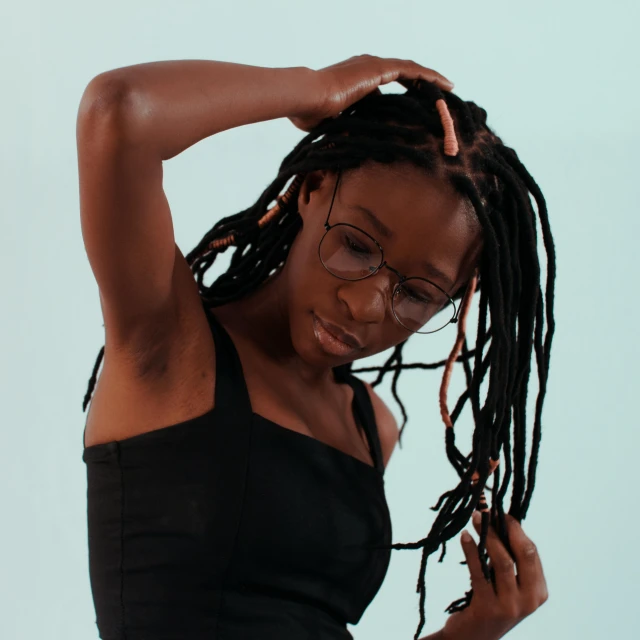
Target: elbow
105,94
105,103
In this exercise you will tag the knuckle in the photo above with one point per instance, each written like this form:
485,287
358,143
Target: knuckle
504,565
509,611
529,551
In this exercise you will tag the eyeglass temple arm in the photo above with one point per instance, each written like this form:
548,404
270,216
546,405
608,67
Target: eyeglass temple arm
327,226
476,277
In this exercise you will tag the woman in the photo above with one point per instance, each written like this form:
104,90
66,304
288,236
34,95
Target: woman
235,463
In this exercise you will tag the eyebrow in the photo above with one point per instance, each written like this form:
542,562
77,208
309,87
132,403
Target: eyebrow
382,228
374,220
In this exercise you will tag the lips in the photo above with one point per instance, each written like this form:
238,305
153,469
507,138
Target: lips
340,333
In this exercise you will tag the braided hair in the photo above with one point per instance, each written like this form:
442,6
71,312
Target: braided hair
448,137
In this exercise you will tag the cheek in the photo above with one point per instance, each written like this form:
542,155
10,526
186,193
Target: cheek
306,276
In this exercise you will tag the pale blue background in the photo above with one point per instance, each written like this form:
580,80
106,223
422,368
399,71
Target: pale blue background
558,80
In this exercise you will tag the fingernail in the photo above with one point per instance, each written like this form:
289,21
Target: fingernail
476,517
466,537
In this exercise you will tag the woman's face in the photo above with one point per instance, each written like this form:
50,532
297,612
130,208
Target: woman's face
425,229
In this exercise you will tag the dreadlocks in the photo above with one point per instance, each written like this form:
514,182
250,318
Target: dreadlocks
447,137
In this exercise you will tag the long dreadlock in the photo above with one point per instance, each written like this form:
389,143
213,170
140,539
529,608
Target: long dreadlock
420,127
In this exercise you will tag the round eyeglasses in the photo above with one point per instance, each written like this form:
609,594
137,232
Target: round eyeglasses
349,253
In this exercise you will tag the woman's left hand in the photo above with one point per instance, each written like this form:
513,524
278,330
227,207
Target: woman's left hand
494,612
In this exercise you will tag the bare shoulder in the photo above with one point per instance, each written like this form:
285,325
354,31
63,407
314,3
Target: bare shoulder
387,425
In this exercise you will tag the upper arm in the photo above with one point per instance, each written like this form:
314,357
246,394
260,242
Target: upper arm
387,424
125,217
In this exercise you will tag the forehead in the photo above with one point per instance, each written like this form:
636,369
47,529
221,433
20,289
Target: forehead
405,191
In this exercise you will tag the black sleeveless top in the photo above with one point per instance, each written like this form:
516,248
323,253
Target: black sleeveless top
231,527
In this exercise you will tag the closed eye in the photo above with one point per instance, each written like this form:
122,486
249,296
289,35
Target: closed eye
355,247
417,297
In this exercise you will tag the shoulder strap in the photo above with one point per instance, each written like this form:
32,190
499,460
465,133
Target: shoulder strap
231,394
363,407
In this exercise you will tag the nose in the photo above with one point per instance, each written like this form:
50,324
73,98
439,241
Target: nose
368,300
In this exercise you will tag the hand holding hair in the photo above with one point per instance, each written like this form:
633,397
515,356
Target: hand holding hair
501,603
342,84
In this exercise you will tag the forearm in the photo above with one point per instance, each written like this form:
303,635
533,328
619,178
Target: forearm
174,104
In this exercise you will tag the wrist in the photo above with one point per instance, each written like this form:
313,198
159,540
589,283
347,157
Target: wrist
313,94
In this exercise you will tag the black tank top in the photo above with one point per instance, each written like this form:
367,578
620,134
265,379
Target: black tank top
229,526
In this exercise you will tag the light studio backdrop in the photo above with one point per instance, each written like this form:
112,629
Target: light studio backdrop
558,80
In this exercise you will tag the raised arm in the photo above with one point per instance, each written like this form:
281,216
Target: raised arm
129,121
172,105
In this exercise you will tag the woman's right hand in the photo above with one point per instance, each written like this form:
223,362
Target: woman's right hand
342,84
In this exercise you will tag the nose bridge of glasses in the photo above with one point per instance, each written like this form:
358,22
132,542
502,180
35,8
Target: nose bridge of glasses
390,283
397,273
